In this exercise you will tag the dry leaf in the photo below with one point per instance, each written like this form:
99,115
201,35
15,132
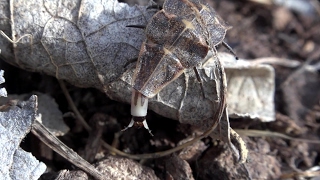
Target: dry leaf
82,42
15,124
48,110
88,44
3,91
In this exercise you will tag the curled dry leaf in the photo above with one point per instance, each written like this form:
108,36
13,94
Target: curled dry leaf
48,112
88,44
15,124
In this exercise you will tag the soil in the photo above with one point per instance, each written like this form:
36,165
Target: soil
259,30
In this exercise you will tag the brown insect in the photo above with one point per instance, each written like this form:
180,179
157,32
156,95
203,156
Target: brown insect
178,37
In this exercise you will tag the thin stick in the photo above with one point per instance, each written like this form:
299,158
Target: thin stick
73,106
260,133
296,72
55,144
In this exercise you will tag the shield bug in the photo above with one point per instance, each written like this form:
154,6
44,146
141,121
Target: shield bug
177,37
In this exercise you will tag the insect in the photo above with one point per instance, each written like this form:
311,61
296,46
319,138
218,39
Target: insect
177,37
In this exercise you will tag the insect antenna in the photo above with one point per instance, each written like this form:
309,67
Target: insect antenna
230,49
199,80
137,26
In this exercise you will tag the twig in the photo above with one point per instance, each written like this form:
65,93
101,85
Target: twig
286,63
300,175
260,133
304,66
55,144
277,61
73,106
93,145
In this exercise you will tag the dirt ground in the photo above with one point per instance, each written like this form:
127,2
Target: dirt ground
259,30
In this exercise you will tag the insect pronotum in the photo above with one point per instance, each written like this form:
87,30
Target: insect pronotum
178,37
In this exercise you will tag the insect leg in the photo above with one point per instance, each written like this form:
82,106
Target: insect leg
200,80
145,125
230,49
129,126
